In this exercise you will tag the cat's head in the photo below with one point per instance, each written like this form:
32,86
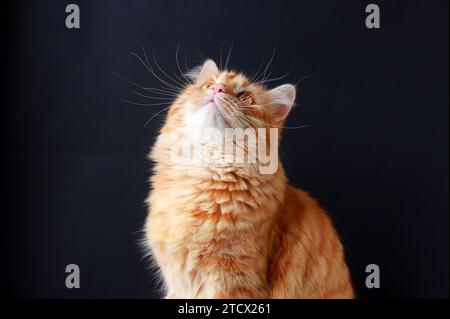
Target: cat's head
220,99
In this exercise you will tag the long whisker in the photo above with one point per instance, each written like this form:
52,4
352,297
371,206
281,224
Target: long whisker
178,65
270,61
229,106
185,63
275,79
245,117
155,90
202,56
168,76
128,81
154,115
234,112
144,104
172,88
257,75
221,53
282,127
240,121
253,119
229,54
152,97
263,74
152,71
302,79
161,92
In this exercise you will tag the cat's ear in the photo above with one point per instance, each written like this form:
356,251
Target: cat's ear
281,101
205,71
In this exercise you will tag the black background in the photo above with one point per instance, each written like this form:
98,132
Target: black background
375,152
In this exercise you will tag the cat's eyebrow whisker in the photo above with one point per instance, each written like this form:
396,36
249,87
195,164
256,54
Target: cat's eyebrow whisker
178,65
183,80
260,82
168,76
263,75
154,58
257,75
182,77
186,65
270,61
221,53
274,79
152,71
229,54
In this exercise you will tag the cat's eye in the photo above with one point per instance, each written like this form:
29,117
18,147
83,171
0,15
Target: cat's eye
207,85
245,97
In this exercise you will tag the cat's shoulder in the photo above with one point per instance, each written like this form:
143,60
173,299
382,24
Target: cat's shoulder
300,198
304,207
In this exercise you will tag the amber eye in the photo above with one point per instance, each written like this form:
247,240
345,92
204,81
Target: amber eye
207,85
245,97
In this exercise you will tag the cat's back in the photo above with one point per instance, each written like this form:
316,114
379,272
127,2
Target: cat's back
308,257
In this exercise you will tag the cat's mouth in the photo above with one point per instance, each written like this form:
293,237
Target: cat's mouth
216,112
214,105
218,101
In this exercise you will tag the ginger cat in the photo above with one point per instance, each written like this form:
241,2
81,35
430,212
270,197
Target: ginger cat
224,229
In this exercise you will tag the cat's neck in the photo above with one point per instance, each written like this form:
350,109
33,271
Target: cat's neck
225,186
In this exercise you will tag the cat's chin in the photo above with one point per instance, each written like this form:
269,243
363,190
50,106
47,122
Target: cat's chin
212,106
207,116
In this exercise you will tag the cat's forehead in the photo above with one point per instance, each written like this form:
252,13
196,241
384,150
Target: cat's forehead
233,80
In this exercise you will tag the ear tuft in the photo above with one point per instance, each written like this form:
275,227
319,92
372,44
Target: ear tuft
202,73
282,98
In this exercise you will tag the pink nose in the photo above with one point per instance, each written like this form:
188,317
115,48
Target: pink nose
218,87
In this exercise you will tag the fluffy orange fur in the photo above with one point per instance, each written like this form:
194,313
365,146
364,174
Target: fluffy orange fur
228,231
